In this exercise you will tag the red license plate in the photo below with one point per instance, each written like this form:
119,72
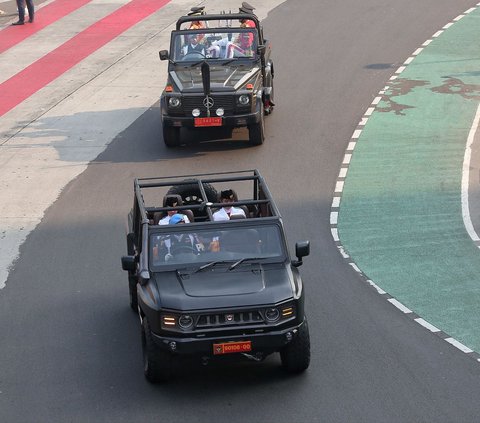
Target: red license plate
232,347
208,121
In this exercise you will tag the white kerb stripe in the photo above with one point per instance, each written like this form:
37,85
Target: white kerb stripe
426,43
458,18
343,172
357,133
459,345
369,111
437,34
469,11
335,234
333,218
339,186
347,158
376,100
363,122
379,290
355,267
400,69
399,305
409,60
427,325
351,146
448,25
336,202
417,51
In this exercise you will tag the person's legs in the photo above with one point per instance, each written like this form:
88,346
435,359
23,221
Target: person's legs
31,10
21,12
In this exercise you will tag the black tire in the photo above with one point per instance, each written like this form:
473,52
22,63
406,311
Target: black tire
256,132
157,364
171,136
296,355
132,289
191,194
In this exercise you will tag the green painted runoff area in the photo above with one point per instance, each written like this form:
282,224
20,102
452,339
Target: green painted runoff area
400,215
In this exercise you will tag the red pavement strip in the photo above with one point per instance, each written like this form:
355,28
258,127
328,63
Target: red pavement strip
27,82
12,35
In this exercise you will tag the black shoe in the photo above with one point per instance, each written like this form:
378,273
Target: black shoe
18,23
30,20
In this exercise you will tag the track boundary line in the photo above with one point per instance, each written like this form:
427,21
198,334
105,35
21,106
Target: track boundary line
340,182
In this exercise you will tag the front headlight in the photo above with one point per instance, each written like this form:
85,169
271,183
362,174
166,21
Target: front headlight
174,102
272,314
185,321
244,99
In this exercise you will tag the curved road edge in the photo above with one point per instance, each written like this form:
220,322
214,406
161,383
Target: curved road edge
393,246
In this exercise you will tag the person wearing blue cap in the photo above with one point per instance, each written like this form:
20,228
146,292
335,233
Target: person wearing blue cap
172,202
177,218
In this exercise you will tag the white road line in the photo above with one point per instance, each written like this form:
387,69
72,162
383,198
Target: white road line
339,186
427,325
437,34
379,290
399,305
459,345
347,159
467,221
426,43
351,146
417,51
343,172
336,202
333,218
356,133
369,111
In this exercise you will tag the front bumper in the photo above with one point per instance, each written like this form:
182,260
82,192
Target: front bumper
236,121
267,342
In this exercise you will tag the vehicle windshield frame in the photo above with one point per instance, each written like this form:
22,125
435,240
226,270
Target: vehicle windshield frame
275,231
178,37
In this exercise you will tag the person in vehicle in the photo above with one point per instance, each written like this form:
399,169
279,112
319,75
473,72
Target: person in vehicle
171,202
193,46
228,211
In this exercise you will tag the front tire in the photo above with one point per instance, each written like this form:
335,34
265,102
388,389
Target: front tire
157,364
256,132
296,355
132,288
171,136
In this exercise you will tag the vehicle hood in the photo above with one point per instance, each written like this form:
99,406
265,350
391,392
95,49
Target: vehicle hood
220,288
221,77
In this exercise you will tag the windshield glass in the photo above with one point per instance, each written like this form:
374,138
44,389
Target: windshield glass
194,46
203,246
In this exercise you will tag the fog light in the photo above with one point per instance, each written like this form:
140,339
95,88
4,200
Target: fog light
289,336
173,346
220,112
196,112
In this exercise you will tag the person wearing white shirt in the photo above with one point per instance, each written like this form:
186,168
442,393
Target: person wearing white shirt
171,202
225,213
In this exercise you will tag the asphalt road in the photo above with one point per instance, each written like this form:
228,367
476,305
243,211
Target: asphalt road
70,346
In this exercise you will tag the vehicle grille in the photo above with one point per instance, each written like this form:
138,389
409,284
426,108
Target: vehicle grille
229,319
227,102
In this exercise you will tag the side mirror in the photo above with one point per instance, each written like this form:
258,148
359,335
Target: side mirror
261,50
128,263
302,249
163,54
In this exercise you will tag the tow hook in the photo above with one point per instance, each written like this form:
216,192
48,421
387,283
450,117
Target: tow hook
257,357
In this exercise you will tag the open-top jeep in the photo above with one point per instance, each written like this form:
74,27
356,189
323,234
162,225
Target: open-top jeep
210,287
220,74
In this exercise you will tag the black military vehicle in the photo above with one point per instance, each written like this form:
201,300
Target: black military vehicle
213,286
220,74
